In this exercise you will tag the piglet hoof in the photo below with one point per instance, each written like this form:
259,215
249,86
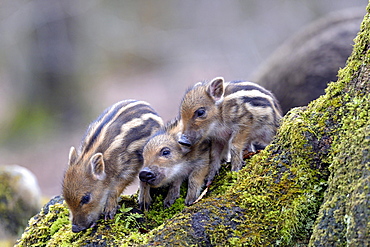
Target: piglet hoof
209,179
168,202
144,206
109,215
208,182
237,166
189,202
200,196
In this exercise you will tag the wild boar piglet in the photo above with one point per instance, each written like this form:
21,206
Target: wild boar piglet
167,163
234,116
108,160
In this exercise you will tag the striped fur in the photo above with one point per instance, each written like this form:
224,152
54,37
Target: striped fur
168,163
108,160
235,116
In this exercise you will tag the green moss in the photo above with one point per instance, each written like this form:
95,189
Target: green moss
44,226
343,218
220,186
52,227
344,214
157,213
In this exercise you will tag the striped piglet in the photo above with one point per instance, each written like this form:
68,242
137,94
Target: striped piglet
108,160
234,115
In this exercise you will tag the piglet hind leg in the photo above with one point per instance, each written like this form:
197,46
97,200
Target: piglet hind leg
237,161
215,161
237,147
173,193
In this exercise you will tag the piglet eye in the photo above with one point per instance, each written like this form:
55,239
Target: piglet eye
201,112
85,199
165,151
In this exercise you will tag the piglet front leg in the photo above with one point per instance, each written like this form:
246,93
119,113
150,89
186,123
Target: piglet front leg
144,196
173,193
111,206
195,183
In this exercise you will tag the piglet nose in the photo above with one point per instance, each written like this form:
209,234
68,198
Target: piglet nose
146,176
76,228
184,140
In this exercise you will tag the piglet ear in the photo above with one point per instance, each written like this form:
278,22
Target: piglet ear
97,166
72,156
216,88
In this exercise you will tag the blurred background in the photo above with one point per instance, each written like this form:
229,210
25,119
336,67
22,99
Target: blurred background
62,62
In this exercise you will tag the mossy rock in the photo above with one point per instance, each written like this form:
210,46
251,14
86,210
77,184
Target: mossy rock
20,198
309,187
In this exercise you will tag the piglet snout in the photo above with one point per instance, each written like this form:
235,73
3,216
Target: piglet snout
184,140
147,176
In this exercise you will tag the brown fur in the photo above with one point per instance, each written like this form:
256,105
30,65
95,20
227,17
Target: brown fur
234,116
109,159
168,163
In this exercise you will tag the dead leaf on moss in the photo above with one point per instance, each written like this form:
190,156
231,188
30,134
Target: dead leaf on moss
248,155
201,195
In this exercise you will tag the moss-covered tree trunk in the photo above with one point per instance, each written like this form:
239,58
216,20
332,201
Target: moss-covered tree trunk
311,186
